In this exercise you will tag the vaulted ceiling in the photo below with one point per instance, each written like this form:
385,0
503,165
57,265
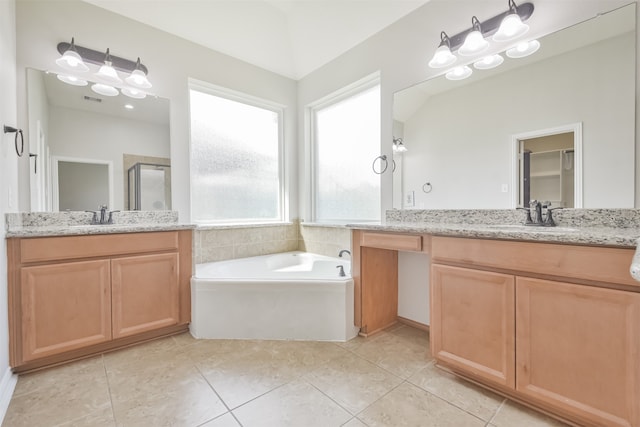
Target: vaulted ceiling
288,37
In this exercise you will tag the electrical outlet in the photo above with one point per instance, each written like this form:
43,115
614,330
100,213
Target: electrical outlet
505,188
409,199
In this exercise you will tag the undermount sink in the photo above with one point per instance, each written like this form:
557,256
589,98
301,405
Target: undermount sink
522,227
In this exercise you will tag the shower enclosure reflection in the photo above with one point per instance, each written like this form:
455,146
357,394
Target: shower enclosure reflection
149,187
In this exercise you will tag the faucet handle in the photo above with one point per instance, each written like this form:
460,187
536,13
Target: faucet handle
548,220
94,218
110,220
528,219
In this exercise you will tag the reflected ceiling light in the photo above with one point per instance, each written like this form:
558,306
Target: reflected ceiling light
128,106
71,59
523,49
107,73
443,56
398,146
511,26
138,78
489,62
474,43
459,73
105,90
72,80
133,93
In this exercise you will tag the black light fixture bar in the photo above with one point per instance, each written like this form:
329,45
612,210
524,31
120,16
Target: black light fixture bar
97,58
491,25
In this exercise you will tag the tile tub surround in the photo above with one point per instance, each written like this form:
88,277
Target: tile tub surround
385,380
221,243
324,239
41,224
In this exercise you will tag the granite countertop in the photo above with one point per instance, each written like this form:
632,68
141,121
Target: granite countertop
74,223
606,236
86,229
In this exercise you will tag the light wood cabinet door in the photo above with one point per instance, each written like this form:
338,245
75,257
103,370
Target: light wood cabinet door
473,322
578,349
379,276
64,307
145,293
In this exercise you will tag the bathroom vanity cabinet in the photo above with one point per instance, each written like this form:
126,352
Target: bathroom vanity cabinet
552,325
71,296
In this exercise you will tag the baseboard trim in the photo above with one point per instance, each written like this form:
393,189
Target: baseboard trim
7,386
413,323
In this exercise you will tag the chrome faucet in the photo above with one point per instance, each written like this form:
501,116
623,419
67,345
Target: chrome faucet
103,216
535,216
342,252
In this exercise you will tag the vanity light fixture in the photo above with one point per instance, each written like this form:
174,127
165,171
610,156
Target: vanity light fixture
511,26
523,49
398,146
474,43
71,59
506,26
489,62
107,76
459,73
443,56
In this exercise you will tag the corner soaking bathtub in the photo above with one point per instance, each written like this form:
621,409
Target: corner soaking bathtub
286,296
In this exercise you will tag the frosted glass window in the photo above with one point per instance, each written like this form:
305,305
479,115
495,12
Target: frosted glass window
235,161
346,141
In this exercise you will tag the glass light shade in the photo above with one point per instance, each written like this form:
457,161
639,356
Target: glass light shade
133,93
105,90
523,49
442,58
459,73
108,74
511,28
473,44
400,148
72,61
489,62
71,80
138,79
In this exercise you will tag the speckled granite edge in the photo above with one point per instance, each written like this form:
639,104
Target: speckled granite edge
614,218
43,224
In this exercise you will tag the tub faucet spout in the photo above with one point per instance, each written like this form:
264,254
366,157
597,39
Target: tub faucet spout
342,252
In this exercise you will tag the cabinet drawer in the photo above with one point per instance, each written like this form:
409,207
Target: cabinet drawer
609,265
397,242
69,247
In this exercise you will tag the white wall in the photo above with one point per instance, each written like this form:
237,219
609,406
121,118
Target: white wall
41,25
87,135
460,140
402,50
8,180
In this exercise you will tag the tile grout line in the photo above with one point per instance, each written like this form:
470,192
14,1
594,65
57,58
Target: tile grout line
106,375
229,411
495,414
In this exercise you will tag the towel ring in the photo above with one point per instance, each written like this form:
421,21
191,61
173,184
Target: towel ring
427,187
383,169
9,129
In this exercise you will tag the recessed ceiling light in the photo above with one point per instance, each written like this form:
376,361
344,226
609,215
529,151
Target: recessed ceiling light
128,106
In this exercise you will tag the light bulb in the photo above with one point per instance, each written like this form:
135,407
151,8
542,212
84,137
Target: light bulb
489,62
459,73
72,61
523,49
105,90
71,80
511,28
442,58
108,74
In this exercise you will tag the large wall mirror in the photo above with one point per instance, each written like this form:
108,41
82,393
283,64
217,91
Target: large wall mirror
558,125
84,147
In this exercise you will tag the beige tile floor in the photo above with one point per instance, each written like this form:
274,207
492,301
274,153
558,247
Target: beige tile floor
384,380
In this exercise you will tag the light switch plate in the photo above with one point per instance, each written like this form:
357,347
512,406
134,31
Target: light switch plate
409,199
